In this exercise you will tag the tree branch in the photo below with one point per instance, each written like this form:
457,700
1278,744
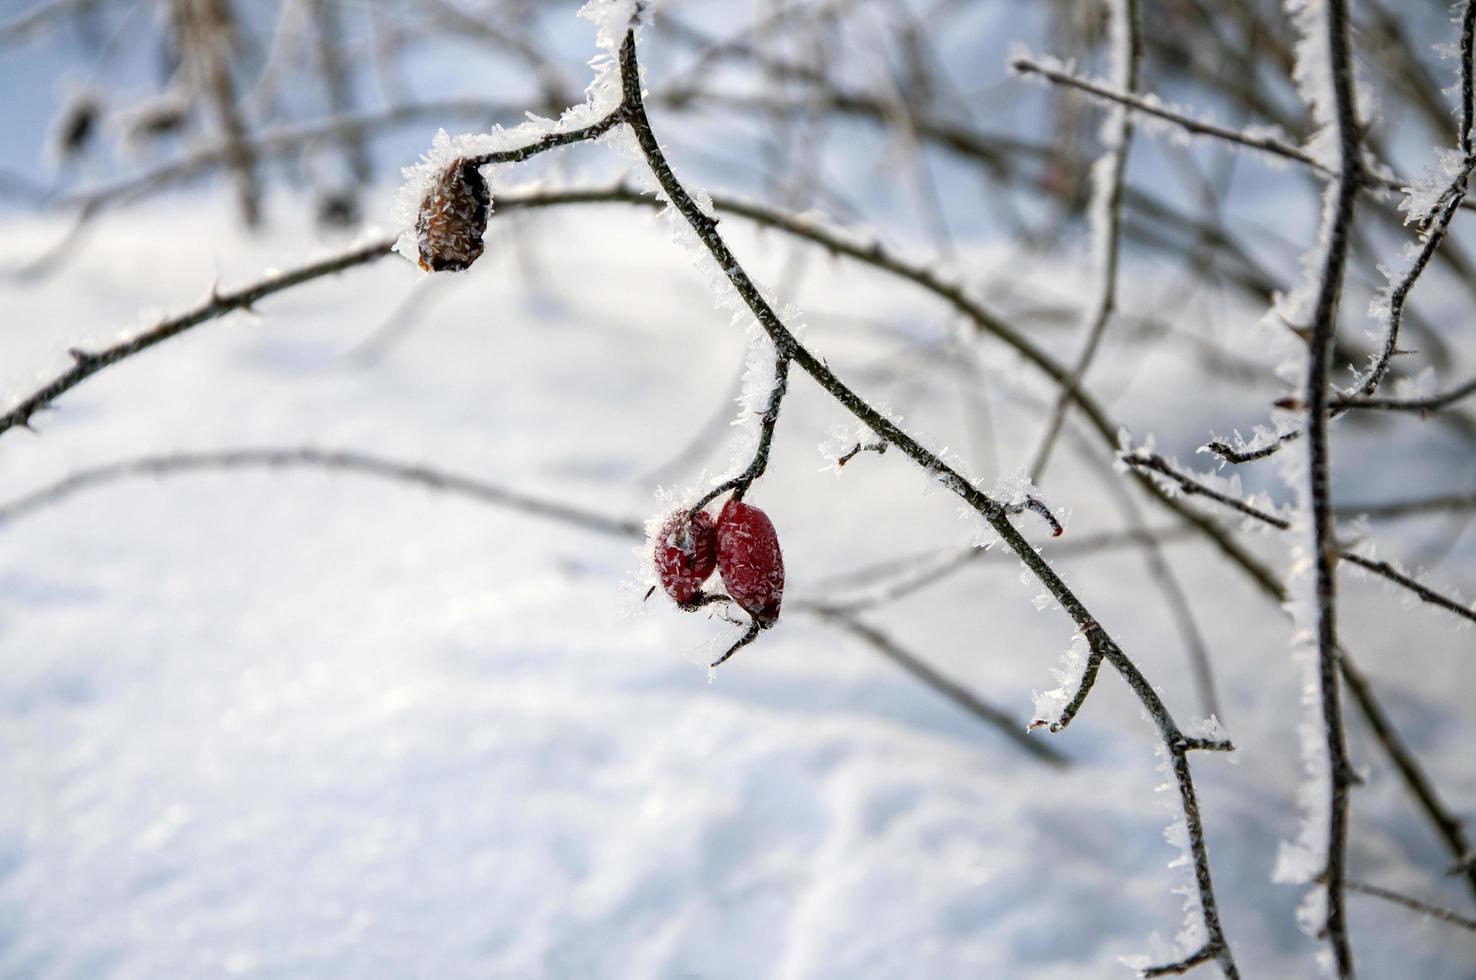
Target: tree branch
87,363
1423,907
705,228
1191,486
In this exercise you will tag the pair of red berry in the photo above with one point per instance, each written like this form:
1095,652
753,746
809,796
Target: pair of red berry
741,545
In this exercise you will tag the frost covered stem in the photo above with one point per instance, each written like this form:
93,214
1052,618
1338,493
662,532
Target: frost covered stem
1437,224
87,363
1422,406
1149,106
520,153
994,512
1433,226
1324,548
1198,127
760,462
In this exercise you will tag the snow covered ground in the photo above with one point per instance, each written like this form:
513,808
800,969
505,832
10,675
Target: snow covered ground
312,725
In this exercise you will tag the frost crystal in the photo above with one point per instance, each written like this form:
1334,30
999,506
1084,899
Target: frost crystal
453,218
1049,705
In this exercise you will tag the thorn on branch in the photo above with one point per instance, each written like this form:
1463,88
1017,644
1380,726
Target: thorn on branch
879,447
1039,507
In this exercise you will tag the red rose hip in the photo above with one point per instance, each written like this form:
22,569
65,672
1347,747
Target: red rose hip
686,554
749,560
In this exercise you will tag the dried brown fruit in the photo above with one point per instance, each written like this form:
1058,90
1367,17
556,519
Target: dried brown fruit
453,218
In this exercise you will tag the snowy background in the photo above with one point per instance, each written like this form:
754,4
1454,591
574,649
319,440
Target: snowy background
297,724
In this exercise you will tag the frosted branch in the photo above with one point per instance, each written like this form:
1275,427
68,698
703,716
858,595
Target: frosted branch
992,510
1193,486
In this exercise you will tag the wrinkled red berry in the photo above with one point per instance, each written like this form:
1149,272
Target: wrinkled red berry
749,560
686,554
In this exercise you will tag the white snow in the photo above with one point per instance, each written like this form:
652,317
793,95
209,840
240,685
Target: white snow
304,725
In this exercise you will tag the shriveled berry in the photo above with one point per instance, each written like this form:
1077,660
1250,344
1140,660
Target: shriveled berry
749,560
453,218
686,554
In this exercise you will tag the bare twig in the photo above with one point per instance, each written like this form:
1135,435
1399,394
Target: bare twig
1450,828
1434,226
205,28
767,421
1191,486
1108,175
889,648
1424,406
1125,97
338,460
87,363
857,450
1151,106
1415,904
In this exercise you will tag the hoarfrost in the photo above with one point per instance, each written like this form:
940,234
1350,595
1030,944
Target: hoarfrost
1192,936
842,439
1424,194
1301,860
1050,704
1208,729
603,94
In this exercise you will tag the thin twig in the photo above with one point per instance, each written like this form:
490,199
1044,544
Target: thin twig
307,457
1151,106
87,363
1395,509
1418,905
1126,98
767,422
1191,486
1424,406
1450,827
205,29
922,573
888,647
